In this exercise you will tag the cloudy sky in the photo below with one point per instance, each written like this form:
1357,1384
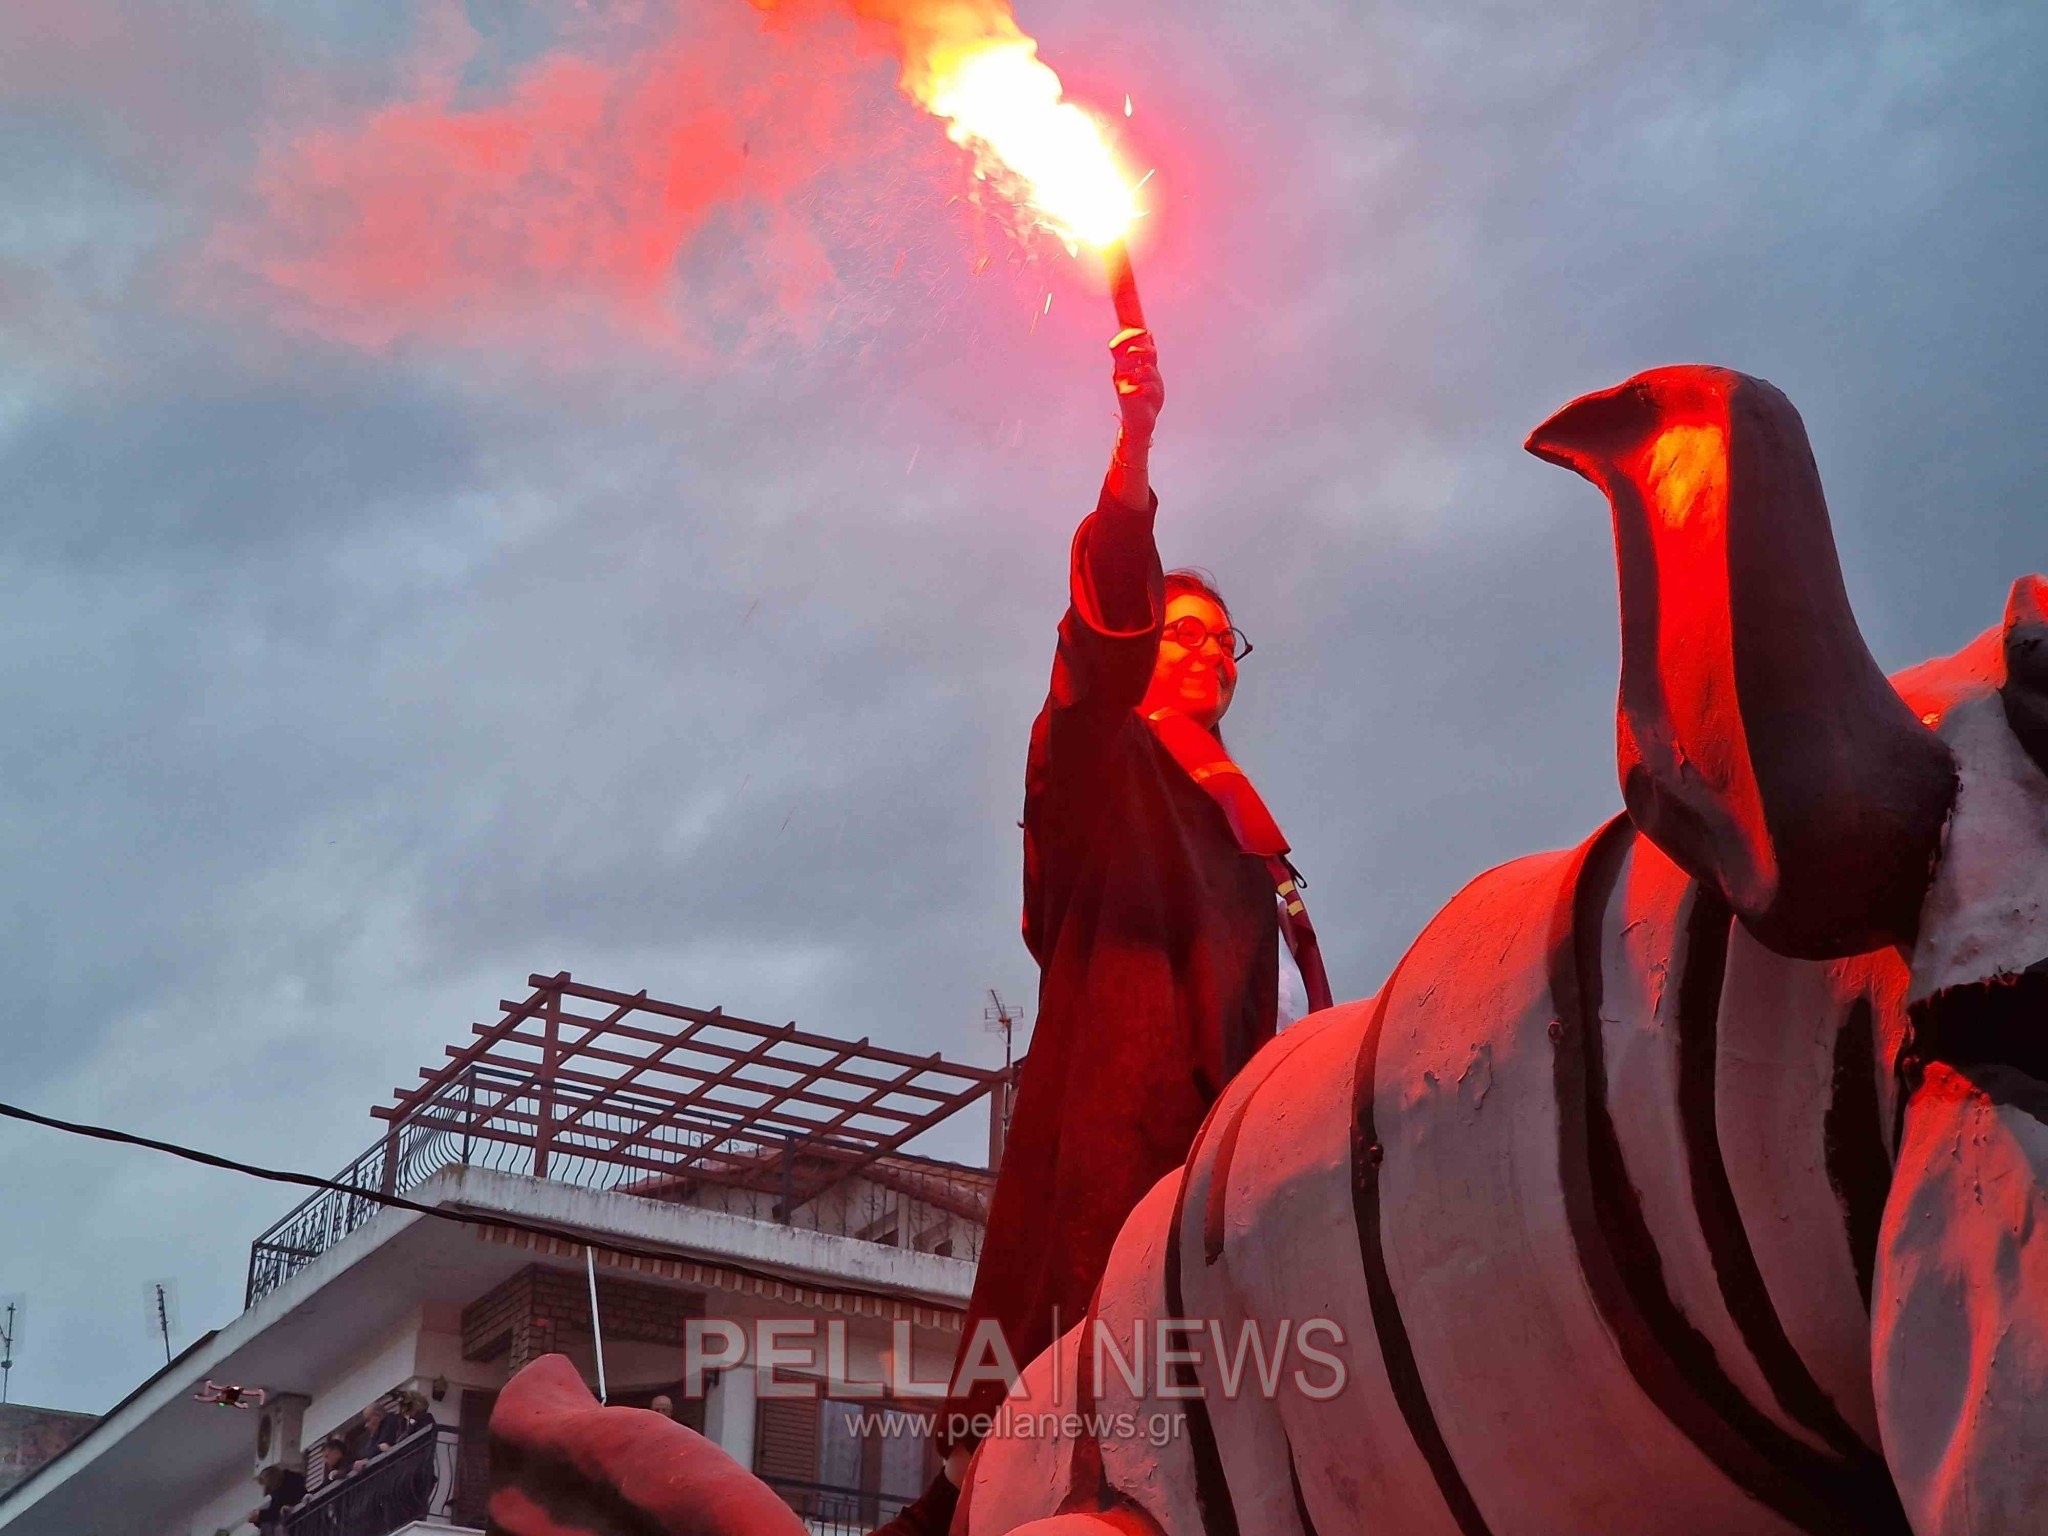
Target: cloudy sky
586,485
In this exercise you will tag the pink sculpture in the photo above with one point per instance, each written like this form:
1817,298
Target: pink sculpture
1690,1180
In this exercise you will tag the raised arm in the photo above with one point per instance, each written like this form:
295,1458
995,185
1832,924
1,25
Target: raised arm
1109,643
1140,393
1110,635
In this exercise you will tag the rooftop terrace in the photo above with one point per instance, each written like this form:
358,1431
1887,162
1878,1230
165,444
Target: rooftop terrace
623,1092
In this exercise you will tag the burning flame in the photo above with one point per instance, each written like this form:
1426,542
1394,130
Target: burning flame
1006,105
968,61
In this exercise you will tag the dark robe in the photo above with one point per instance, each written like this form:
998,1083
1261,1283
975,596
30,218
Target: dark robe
1157,940
290,1489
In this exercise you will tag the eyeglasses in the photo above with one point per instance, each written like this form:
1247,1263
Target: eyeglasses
1190,632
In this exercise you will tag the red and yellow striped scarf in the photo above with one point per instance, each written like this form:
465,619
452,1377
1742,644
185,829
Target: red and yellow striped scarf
1202,758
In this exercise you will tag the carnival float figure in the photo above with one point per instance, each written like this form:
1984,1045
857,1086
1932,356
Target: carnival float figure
1691,1180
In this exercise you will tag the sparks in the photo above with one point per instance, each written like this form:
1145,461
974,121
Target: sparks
1003,103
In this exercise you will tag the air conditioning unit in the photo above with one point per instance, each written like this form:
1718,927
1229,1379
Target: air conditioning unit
280,1429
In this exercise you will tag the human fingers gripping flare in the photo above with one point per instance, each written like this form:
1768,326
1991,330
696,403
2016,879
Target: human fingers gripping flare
1139,394
1140,390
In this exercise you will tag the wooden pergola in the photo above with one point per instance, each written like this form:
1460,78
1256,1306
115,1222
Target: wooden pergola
674,1095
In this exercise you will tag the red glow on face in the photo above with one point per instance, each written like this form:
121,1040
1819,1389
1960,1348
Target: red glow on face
1197,683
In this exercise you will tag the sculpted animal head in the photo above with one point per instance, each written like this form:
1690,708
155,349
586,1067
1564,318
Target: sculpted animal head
1837,811
563,1466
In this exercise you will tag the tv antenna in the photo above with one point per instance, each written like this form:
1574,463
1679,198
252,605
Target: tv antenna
12,1310
160,1299
1003,1019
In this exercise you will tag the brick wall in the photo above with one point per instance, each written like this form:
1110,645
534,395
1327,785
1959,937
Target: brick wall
524,1317
29,1437
473,1458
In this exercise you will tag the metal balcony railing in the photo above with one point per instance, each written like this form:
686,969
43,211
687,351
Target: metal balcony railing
412,1480
830,1511
765,1122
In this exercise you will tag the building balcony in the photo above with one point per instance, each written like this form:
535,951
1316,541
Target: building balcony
623,1093
410,1485
828,1510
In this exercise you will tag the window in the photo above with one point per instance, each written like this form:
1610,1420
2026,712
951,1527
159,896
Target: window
843,1463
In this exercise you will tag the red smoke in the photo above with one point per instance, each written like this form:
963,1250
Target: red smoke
918,32
581,184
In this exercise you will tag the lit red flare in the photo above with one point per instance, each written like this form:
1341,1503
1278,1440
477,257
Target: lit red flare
968,63
1006,105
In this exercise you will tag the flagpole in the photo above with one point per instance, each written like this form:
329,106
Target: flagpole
596,1329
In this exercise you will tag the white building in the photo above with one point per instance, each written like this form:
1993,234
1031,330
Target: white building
699,1166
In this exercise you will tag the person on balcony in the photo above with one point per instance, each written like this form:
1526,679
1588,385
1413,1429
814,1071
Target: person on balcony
335,1460
381,1429
282,1488
413,1415
1157,899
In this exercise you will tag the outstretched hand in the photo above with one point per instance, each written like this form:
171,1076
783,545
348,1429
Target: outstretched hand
1140,391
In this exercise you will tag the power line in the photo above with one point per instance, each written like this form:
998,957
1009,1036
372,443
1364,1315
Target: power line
378,1197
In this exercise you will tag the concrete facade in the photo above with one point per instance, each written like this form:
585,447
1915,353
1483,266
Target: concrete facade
407,1301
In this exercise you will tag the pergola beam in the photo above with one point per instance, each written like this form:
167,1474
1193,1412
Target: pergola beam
757,1112
729,1073
677,1011
688,1099
793,1036
966,1097
802,1083
646,1063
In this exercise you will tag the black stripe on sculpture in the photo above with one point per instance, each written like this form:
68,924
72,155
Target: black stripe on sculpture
1743,1291
557,1494
1212,1489
1859,1171
1215,1205
1671,1361
1215,1208
1087,1485
1397,1352
1301,1515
